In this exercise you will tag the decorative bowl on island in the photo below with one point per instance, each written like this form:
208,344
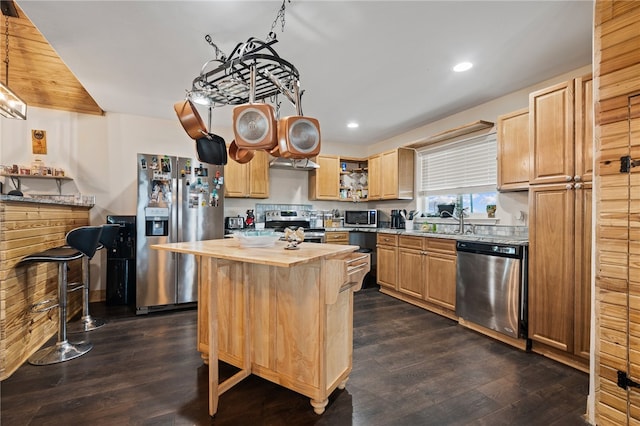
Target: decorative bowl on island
257,237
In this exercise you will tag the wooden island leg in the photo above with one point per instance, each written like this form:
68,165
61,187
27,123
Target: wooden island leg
213,338
343,384
319,406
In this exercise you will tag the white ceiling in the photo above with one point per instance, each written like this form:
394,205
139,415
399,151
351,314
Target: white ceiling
385,64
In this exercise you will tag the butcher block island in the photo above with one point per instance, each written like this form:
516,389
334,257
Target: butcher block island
283,315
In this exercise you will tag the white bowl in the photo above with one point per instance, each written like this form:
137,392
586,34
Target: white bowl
257,238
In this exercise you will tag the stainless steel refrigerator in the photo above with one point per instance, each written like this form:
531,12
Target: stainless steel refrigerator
179,199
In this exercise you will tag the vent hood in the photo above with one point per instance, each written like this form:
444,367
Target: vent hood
304,164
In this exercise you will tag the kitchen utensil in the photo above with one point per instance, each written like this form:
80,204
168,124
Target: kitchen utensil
190,119
240,155
298,137
254,126
212,149
403,213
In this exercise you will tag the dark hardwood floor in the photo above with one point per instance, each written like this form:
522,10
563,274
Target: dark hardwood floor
410,367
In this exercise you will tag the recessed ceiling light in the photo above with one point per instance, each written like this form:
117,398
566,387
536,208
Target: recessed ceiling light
463,66
353,125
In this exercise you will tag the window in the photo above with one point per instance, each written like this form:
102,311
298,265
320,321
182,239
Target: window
461,173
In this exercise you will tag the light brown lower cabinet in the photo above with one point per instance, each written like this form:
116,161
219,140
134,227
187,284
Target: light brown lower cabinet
441,273
425,272
559,272
411,266
387,263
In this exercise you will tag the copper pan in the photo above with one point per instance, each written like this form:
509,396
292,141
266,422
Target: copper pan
240,155
275,152
298,137
254,126
190,119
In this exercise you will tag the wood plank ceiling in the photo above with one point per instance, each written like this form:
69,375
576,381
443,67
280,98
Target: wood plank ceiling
36,72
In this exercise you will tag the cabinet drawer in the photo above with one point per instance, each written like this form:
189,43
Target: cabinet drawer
441,245
410,241
337,237
387,239
343,271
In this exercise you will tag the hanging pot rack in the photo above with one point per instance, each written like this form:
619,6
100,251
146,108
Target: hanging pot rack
231,82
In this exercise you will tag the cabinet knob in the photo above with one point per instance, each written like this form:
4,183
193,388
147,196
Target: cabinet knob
568,178
578,186
577,178
569,186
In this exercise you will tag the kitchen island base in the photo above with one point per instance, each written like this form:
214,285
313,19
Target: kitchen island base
285,316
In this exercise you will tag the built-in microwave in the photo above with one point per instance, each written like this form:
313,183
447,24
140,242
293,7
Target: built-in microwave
361,218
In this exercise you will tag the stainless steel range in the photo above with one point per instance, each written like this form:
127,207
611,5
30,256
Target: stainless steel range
294,219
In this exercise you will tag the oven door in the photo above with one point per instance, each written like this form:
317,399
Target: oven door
315,237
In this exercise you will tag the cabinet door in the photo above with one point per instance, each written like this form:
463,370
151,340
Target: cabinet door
259,175
389,176
582,308
584,129
513,151
551,270
410,272
387,266
440,271
324,182
375,173
551,134
236,179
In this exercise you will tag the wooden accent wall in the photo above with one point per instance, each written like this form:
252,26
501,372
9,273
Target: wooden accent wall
617,240
27,228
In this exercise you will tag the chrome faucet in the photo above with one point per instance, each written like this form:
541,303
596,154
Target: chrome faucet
459,218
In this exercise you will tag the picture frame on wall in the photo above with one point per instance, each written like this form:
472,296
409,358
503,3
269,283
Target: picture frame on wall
39,141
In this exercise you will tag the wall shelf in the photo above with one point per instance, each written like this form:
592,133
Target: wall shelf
17,184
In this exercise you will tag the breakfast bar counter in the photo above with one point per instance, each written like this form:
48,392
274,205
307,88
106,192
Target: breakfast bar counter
30,225
284,315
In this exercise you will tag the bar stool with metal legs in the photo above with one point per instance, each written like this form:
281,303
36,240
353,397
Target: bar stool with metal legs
87,322
82,241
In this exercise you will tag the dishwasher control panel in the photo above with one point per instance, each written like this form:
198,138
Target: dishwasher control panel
489,248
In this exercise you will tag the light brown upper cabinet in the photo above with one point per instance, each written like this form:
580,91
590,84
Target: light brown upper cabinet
513,151
324,182
557,153
395,175
249,180
375,192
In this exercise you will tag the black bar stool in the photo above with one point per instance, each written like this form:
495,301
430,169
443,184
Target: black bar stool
87,322
82,241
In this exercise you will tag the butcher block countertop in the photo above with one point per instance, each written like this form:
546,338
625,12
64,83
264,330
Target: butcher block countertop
276,255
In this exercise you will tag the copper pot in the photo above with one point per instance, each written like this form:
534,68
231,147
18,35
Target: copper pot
254,126
190,119
298,137
240,155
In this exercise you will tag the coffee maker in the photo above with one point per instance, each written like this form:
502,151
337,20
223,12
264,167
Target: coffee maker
397,221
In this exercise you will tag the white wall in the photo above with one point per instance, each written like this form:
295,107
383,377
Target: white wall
98,152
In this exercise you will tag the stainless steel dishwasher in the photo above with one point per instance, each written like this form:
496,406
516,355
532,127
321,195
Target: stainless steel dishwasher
491,286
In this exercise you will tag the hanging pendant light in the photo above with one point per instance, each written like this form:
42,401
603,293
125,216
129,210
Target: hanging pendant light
11,106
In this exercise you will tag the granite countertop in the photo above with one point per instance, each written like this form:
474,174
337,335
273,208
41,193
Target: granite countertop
47,200
489,238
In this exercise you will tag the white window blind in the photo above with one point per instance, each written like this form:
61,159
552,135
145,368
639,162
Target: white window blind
466,166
